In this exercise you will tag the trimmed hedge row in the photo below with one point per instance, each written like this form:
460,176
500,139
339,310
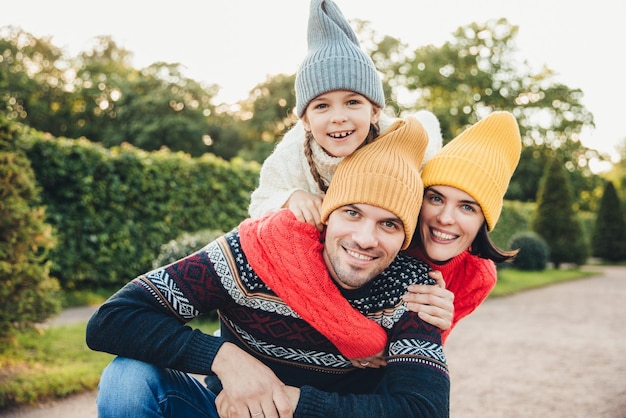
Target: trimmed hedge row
28,294
112,209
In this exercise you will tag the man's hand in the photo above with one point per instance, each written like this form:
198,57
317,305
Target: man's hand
307,207
250,388
223,403
433,304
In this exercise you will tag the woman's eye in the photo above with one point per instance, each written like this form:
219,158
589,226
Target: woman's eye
468,208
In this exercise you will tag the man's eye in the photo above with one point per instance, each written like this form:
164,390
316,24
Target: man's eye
391,225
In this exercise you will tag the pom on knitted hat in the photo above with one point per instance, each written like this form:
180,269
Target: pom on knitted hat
385,174
480,162
335,60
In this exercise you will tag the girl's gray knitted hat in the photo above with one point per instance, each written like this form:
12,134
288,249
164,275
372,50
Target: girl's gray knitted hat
334,60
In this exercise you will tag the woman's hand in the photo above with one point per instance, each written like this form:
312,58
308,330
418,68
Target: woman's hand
374,361
433,304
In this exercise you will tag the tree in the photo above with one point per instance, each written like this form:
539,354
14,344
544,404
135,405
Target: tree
33,84
609,234
150,108
28,294
618,173
267,114
555,220
101,96
478,72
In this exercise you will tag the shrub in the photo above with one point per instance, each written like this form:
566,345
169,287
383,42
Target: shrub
534,252
28,294
184,245
114,208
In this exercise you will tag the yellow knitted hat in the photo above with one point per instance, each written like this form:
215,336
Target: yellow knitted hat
385,174
480,161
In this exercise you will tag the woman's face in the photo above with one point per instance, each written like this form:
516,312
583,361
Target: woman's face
448,222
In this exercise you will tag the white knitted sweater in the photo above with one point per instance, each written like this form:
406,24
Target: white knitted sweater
287,170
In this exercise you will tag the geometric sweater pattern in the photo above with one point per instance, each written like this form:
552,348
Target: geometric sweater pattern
258,321
145,320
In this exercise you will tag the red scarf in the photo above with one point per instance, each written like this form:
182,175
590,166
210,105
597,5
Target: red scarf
287,256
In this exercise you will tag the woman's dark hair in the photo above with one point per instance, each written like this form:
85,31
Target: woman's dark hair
308,153
483,247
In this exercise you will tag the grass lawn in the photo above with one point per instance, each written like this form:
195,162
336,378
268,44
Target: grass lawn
55,362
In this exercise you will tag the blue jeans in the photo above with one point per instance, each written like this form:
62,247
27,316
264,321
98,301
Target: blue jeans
130,389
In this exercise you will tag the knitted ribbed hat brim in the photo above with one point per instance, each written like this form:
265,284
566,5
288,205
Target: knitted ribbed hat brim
384,174
335,60
480,162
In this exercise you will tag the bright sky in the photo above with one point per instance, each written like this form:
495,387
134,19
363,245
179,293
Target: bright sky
238,43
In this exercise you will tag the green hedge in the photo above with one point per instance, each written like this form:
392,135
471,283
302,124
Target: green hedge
28,295
114,208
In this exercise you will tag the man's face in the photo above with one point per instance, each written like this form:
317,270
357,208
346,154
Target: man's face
361,241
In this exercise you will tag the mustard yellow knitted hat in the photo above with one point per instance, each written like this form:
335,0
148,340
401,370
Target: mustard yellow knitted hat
385,174
480,161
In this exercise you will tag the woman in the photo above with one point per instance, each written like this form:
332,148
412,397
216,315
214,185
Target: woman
464,187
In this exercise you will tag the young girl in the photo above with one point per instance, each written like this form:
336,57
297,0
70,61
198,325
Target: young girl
464,187
339,102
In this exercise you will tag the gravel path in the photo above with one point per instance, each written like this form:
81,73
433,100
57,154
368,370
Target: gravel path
556,352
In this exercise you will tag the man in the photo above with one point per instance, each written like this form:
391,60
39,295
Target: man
268,360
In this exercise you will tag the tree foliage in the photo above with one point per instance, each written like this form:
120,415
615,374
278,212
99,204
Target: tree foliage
609,234
555,220
101,96
618,173
267,114
478,72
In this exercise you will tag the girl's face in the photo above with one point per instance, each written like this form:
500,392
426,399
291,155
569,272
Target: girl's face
340,121
448,222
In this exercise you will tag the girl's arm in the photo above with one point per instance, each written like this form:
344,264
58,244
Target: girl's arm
284,172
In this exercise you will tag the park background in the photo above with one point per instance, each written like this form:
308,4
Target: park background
108,167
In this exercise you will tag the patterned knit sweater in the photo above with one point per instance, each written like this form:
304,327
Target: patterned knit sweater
219,277
469,277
